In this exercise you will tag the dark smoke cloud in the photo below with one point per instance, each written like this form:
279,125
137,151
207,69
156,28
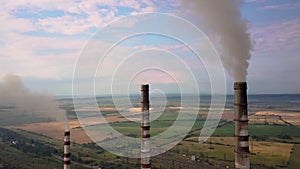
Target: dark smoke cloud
14,94
223,18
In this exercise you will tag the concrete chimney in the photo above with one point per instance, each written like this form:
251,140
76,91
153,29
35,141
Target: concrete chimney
241,126
67,154
145,126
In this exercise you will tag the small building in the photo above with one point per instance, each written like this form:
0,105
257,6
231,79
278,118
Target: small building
193,158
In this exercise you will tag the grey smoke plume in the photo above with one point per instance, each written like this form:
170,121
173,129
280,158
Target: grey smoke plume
14,94
224,18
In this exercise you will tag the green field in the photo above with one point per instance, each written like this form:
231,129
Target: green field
83,155
260,130
272,145
13,157
225,129
266,154
269,150
14,118
161,124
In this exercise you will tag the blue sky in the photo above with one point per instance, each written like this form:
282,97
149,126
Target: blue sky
41,40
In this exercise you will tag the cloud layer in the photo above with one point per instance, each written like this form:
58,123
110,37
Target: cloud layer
41,40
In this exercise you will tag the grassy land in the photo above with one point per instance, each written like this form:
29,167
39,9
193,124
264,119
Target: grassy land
87,154
222,148
219,148
260,130
161,124
264,151
14,118
270,153
26,152
216,148
13,157
216,151
294,161
227,130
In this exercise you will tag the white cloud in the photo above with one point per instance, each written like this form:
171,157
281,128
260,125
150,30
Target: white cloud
25,35
10,23
19,50
79,16
279,36
281,6
19,54
255,1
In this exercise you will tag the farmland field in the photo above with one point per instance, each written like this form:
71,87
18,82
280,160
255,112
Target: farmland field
272,145
294,161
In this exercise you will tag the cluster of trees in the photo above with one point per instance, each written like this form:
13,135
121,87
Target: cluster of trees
26,145
264,137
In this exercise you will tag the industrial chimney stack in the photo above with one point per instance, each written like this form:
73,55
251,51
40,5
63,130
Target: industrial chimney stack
145,125
67,154
241,126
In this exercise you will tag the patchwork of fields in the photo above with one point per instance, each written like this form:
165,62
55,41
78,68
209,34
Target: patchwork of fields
274,138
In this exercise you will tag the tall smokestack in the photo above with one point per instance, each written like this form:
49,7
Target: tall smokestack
67,154
241,126
145,125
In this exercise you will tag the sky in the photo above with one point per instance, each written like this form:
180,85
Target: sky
40,41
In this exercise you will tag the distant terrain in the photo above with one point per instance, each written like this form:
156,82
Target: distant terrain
274,129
